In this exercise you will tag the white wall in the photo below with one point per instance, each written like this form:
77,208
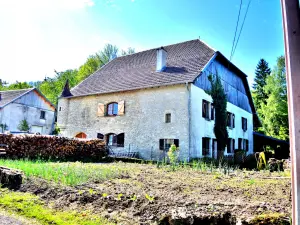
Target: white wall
200,127
28,107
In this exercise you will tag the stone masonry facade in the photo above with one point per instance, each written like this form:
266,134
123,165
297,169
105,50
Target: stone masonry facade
143,122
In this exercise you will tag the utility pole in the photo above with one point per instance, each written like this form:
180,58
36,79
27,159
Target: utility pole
291,27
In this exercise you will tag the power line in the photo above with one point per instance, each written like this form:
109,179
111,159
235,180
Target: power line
236,27
241,28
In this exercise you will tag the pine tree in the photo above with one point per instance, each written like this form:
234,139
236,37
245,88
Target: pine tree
261,73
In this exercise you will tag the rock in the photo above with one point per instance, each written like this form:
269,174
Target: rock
11,179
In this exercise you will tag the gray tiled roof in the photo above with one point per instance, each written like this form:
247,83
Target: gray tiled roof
8,96
136,71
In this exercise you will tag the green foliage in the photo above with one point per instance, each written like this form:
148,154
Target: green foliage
14,86
30,206
52,87
274,113
23,125
56,130
173,155
150,198
220,104
64,173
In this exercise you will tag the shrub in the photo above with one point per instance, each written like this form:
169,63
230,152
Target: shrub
53,148
173,155
23,125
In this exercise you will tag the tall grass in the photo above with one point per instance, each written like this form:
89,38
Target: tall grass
65,173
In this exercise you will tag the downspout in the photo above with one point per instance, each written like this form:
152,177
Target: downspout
189,120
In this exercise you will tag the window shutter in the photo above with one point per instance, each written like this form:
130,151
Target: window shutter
176,142
233,120
246,124
121,108
247,145
233,144
101,110
161,144
240,143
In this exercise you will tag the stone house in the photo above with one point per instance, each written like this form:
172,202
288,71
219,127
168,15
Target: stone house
146,101
29,104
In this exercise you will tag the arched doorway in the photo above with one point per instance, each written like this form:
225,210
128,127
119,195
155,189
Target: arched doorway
80,135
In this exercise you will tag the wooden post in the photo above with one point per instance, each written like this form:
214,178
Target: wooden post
291,26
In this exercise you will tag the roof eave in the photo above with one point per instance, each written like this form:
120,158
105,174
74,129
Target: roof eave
132,89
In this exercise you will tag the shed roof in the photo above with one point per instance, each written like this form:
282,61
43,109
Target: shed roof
12,95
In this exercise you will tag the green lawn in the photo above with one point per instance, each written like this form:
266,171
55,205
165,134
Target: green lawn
30,206
66,173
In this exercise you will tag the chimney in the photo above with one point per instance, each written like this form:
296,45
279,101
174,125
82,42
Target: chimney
161,59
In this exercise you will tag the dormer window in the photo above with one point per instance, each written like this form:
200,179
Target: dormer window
112,109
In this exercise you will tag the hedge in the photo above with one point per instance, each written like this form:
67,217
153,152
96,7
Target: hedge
53,148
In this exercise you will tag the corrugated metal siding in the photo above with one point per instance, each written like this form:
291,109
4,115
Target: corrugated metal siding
232,83
33,99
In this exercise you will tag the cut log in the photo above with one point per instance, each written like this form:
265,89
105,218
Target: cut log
9,178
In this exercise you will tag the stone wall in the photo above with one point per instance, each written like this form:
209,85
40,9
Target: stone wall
143,122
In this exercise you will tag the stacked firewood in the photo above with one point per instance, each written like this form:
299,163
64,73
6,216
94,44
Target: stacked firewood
53,148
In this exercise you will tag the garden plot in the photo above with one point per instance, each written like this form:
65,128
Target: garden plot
131,193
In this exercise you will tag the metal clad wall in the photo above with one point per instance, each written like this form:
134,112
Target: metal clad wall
232,83
34,100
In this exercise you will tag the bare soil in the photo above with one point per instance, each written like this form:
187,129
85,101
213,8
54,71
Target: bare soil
148,195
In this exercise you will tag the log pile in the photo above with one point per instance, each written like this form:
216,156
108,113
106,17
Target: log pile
9,178
53,148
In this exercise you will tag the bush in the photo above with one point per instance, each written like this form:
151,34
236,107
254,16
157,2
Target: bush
53,148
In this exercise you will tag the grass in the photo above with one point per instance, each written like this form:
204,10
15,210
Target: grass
66,173
30,206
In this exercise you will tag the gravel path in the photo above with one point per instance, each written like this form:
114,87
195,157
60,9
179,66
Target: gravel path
6,220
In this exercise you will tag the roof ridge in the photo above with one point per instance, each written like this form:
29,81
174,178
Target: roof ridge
168,46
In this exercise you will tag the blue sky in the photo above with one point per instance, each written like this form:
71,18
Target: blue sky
38,36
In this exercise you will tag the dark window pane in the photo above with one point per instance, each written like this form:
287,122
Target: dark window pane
120,140
112,109
168,118
161,144
100,136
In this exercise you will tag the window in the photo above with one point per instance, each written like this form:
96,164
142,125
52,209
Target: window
205,146
43,115
230,120
165,144
243,144
100,136
205,109
230,145
115,140
212,112
112,109
244,124
168,118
